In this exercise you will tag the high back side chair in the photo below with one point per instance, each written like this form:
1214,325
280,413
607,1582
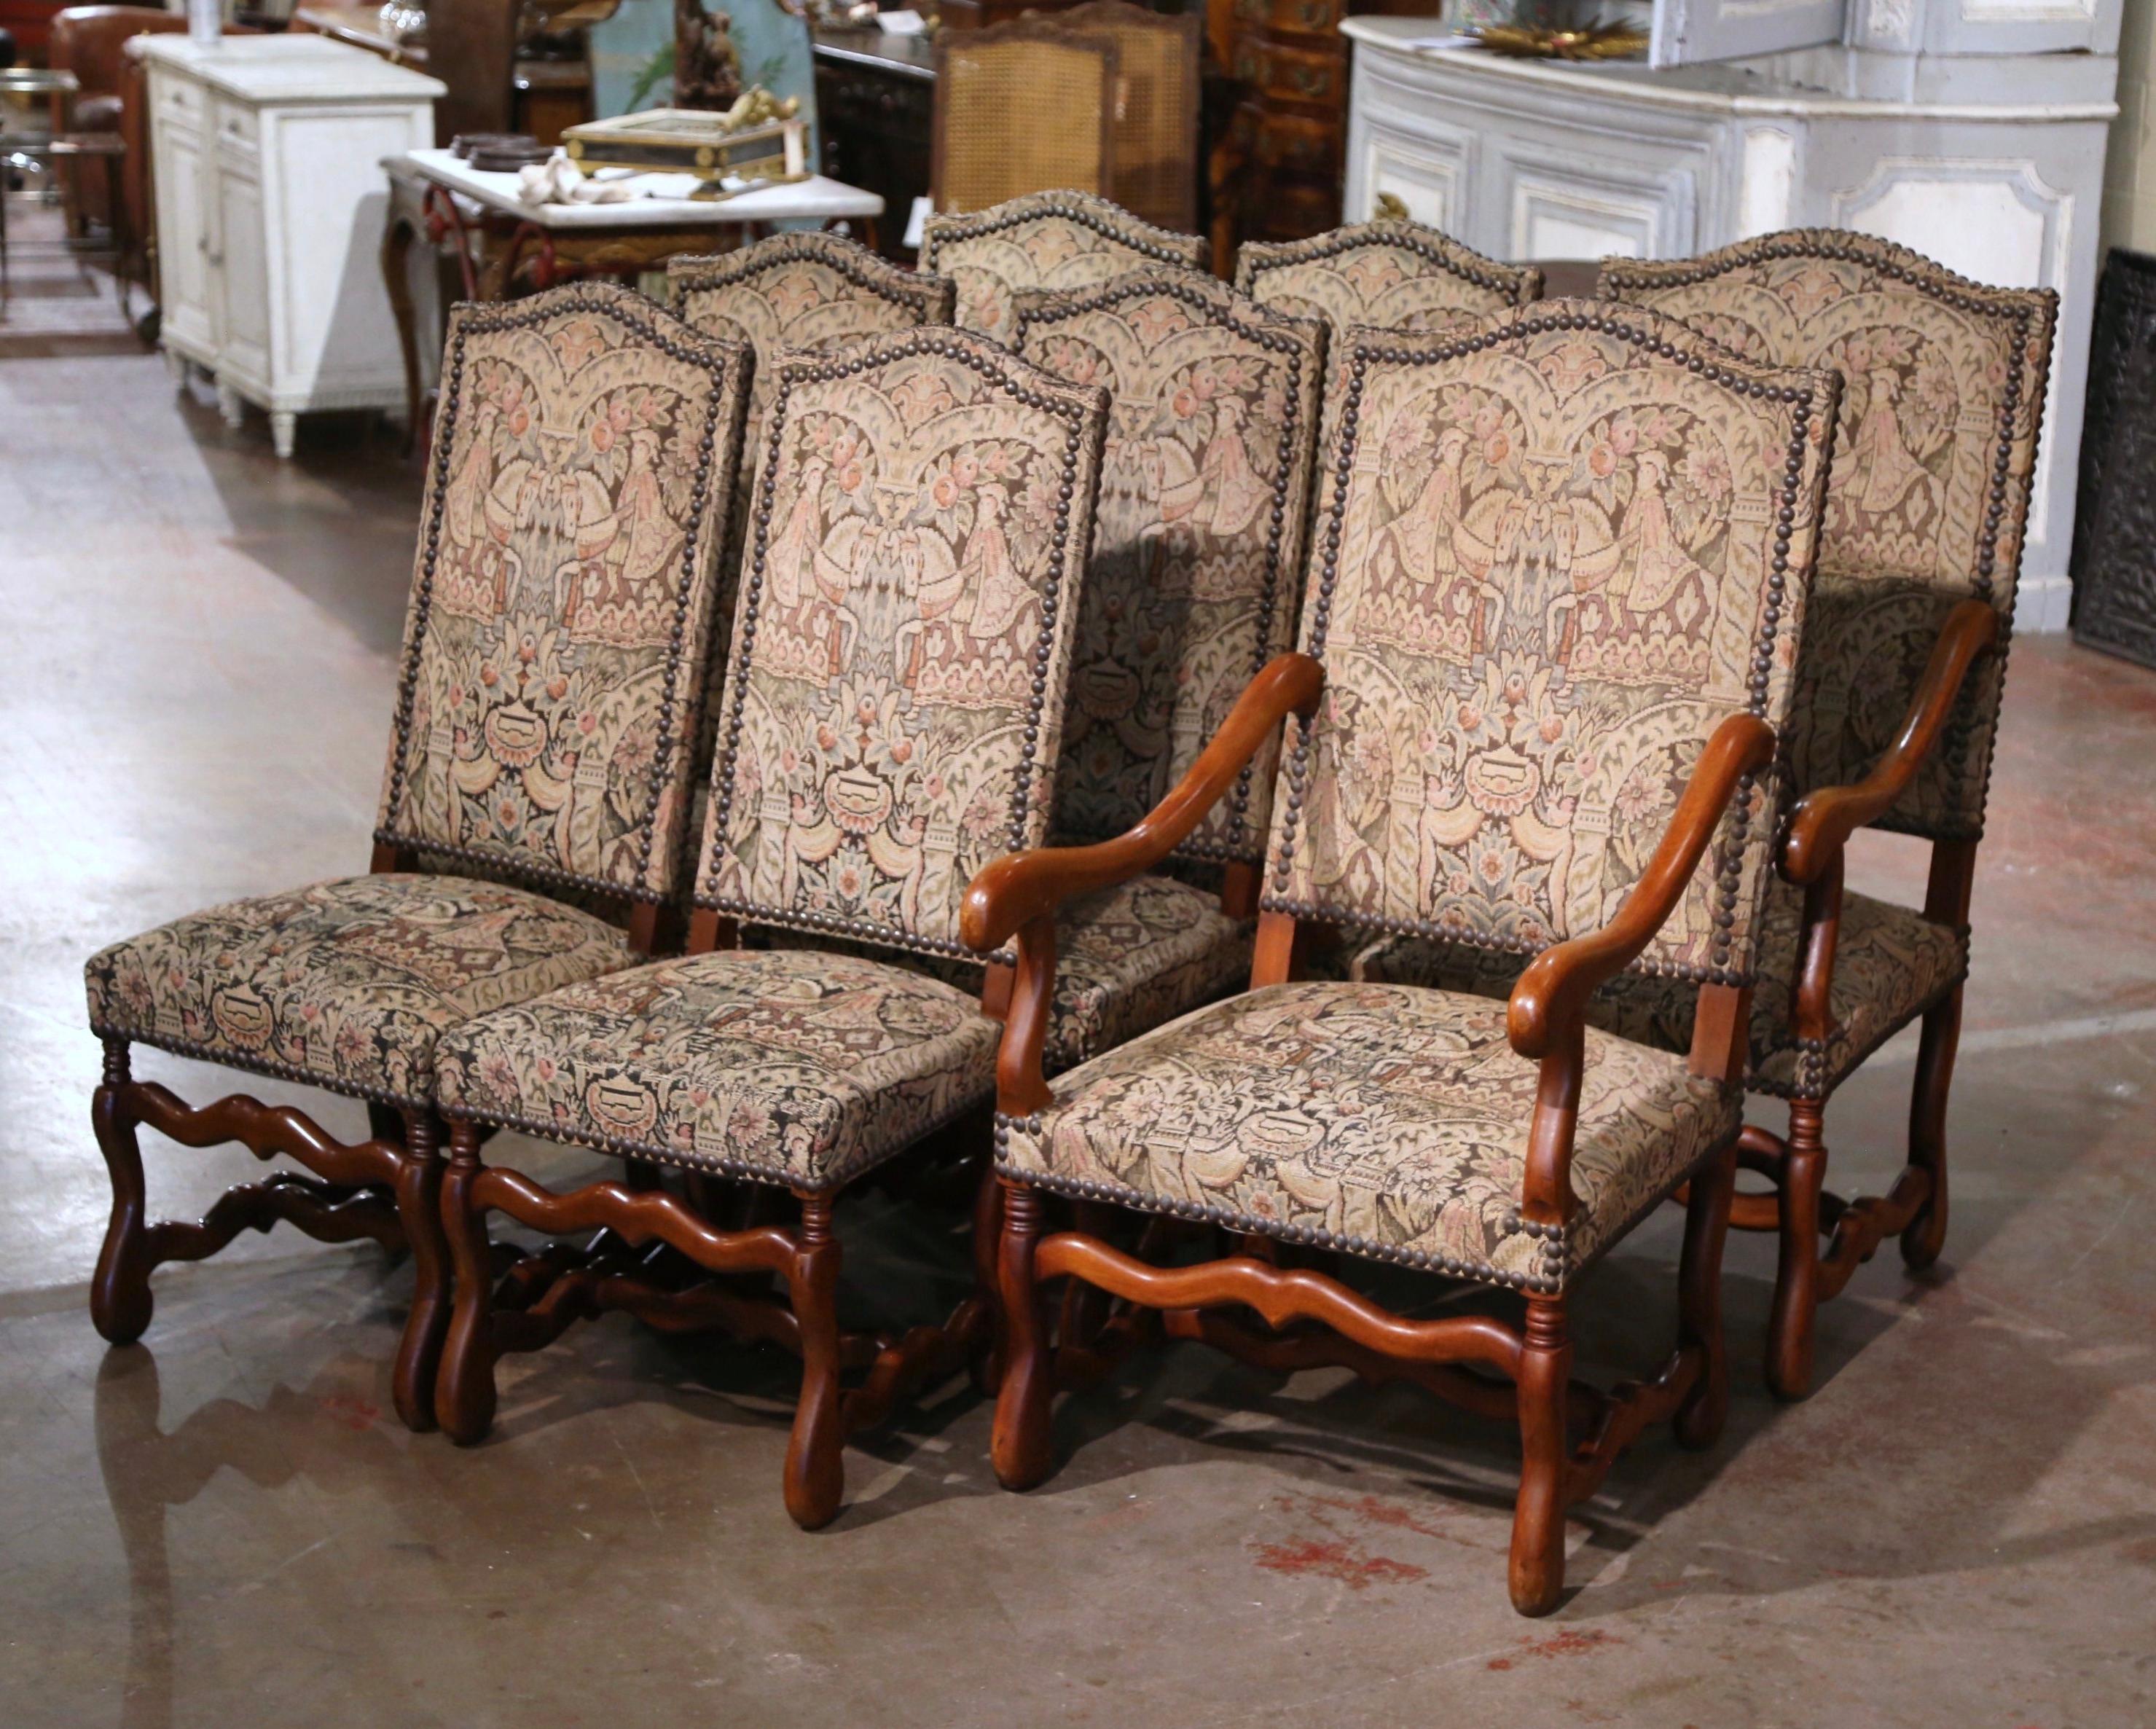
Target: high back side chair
1190,591
1386,274
1021,107
1532,793
548,706
1042,243
891,721
1896,709
1155,173
804,290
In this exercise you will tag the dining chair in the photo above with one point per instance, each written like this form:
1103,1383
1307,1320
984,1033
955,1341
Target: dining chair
1042,243
1022,106
1156,168
891,720
530,832
1897,712
1387,274
1534,788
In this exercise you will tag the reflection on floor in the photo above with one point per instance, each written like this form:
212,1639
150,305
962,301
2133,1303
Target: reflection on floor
226,1525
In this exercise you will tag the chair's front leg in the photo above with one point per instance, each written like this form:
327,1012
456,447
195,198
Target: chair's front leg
1019,1448
120,1300
464,1386
815,1480
419,1206
1792,1327
1536,1571
1699,1420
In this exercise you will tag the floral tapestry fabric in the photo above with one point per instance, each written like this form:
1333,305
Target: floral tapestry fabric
1385,1121
1386,274
787,1065
1891,965
1941,403
1045,241
1196,542
553,662
1566,549
892,711
347,984
1130,957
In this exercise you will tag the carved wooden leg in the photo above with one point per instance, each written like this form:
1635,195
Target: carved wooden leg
1020,1447
1926,1234
1790,1328
815,1460
1537,1559
419,1205
1700,1418
464,1386
988,1364
120,1300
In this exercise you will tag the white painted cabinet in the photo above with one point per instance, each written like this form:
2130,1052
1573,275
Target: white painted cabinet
1989,159
267,155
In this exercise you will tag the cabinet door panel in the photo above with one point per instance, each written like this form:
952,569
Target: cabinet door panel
184,236
242,277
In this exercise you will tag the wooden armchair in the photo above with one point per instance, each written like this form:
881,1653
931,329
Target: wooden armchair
547,709
1156,166
1896,709
1043,243
1021,107
891,720
1509,1147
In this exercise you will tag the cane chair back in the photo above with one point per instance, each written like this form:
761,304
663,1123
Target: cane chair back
892,711
551,677
1021,107
1552,557
1156,162
1204,496
1942,400
1045,243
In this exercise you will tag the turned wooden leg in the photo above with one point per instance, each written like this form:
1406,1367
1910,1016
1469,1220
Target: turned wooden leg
1700,1418
463,1386
1791,1326
1926,1234
120,1300
815,1458
988,1364
1537,1559
1020,1447
419,1207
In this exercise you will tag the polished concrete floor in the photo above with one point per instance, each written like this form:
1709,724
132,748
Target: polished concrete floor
226,1525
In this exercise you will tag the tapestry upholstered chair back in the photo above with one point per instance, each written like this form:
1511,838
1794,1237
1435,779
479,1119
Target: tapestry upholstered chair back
1943,397
1198,540
1386,274
1045,241
801,290
551,678
892,711
1552,557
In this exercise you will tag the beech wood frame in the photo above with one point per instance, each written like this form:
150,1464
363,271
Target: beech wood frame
1800,1210
1017,897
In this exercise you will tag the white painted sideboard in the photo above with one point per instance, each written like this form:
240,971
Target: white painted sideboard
267,154
1991,163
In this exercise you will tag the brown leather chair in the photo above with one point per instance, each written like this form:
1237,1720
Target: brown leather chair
86,40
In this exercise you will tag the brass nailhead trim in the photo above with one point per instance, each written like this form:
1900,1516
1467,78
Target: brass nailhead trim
1111,221
914,290
1430,243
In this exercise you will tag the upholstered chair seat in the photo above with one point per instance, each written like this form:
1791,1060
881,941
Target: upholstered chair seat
1383,1119
790,1065
347,984
1891,966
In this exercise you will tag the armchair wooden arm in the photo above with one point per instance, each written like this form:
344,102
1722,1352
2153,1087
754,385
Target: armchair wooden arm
1551,997
1013,891
1827,816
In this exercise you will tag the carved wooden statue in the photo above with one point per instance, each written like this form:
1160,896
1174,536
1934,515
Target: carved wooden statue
706,63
